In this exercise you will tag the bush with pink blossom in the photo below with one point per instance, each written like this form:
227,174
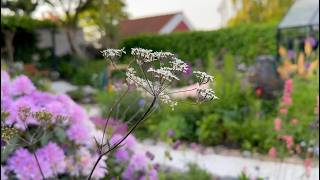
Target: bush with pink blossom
61,146
46,130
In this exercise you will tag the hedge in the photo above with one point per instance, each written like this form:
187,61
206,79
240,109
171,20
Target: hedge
246,42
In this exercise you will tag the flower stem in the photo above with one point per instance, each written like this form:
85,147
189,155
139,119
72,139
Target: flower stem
122,139
35,156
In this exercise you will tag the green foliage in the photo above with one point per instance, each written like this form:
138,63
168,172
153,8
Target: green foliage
183,121
194,172
260,11
24,23
245,41
105,15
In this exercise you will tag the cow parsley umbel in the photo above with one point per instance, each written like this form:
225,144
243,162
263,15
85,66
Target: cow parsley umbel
153,74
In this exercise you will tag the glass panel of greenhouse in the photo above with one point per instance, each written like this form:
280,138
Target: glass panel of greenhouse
302,13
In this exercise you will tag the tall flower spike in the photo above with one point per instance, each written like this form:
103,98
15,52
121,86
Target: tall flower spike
203,77
112,53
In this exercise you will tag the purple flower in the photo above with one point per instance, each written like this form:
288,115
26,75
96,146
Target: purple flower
128,173
79,133
122,155
291,54
142,102
22,85
24,165
176,144
152,175
150,155
139,162
3,173
313,41
188,71
170,133
129,142
5,84
54,156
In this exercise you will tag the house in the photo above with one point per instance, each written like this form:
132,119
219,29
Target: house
161,24
227,10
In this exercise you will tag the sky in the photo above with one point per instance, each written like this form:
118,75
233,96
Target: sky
203,14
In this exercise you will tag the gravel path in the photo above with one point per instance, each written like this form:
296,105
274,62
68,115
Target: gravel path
228,166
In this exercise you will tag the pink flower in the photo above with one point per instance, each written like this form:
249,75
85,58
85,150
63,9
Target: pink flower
294,121
289,140
272,152
22,85
307,166
139,161
283,111
3,173
5,84
286,100
277,124
85,162
24,165
122,155
54,156
79,133
288,87
129,142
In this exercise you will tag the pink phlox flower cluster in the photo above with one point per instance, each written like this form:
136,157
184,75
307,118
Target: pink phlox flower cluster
272,152
24,165
289,140
287,91
82,163
22,85
52,155
3,173
277,124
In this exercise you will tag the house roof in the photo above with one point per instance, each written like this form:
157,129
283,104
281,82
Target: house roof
152,24
302,13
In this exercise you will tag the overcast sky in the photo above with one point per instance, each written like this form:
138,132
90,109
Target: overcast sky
203,14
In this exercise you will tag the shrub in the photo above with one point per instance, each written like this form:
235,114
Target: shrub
246,41
194,172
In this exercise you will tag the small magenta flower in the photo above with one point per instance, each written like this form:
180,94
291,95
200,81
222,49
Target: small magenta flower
277,124
22,85
272,152
170,133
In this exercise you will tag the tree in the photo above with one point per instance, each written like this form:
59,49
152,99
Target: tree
260,11
71,10
105,15
21,7
9,24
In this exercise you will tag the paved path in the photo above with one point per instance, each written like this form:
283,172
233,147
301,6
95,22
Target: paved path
59,87
228,166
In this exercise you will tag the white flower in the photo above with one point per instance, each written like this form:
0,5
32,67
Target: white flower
163,72
206,94
203,77
179,65
167,100
142,55
112,53
162,55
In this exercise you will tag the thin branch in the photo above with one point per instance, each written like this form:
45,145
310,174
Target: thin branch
128,133
35,156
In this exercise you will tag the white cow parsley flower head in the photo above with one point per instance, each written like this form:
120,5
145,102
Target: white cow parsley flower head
112,53
155,72
206,94
203,77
